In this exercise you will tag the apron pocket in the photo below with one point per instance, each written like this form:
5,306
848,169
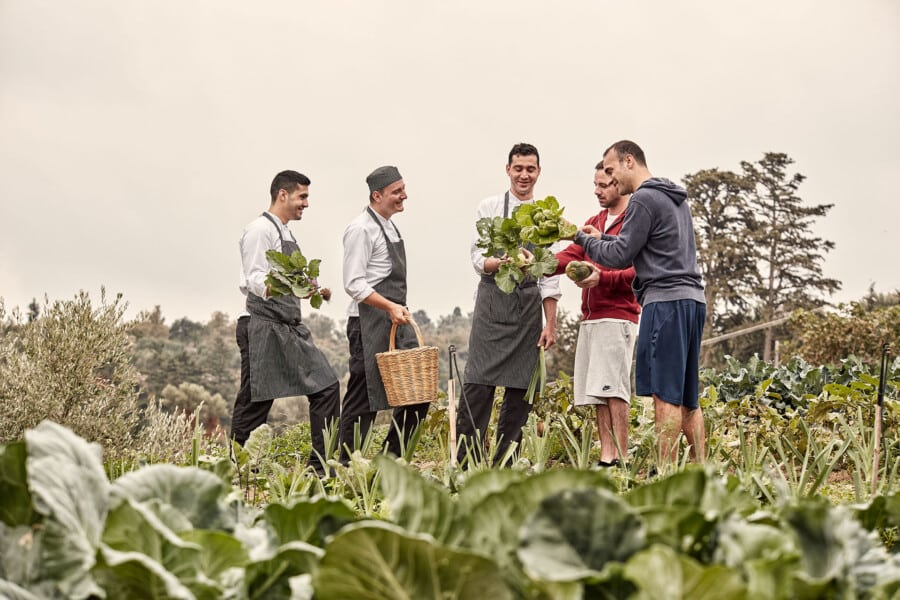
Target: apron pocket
504,309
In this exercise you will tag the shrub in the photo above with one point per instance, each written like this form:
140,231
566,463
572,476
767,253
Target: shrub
72,365
825,338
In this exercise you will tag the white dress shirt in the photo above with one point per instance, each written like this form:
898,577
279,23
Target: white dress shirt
366,259
493,207
258,237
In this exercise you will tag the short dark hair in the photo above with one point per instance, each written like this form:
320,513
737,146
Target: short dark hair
523,149
624,147
287,181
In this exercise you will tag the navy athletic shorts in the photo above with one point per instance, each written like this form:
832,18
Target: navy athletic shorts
668,351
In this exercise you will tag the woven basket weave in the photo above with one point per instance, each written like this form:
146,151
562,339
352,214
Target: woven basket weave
410,376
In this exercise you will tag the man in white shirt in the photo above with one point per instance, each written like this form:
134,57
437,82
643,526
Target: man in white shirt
278,356
375,280
507,329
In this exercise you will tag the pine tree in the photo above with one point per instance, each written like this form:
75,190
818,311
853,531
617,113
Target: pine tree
725,228
791,256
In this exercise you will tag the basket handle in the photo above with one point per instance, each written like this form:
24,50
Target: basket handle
393,341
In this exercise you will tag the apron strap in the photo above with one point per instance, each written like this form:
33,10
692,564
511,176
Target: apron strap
378,221
278,229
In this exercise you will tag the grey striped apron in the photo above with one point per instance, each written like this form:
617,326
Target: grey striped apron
505,331
375,324
284,360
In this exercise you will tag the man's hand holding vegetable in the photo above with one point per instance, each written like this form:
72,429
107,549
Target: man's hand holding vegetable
492,263
548,333
592,280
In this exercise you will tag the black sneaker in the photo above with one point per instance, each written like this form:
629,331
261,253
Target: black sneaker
603,464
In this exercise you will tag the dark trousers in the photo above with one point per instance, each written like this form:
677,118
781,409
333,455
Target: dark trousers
355,409
324,405
514,412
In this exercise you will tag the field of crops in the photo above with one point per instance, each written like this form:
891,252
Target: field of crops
787,506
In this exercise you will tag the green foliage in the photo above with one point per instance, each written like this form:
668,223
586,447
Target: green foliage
791,256
188,397
726,231
573,534
536,225
71,365
759,530
795,383
498,236
827,337
379,561
787,430
756,249
538,378
294,275
510,274
15,504
563,533
541,222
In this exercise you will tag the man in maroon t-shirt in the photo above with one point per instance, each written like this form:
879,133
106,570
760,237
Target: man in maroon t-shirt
606,336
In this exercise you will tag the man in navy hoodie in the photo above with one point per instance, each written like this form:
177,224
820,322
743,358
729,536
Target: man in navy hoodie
657,236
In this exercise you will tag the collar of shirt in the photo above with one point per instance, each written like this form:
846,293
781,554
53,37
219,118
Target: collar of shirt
515,199
388,225
285,230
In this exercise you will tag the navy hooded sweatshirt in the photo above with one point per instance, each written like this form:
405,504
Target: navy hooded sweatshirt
657,236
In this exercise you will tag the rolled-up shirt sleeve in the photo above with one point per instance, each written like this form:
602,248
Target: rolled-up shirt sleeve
357,252
477,257
486,208
254,243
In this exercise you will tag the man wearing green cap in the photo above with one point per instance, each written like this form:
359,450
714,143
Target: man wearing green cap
375,280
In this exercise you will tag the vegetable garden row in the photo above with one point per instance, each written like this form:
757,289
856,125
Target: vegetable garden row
764,518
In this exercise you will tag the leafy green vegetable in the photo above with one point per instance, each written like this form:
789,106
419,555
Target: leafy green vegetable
498,236
535,225
543,262
538,379
541,222
295,275
572,534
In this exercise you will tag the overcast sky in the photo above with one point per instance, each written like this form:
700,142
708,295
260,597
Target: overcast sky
138,138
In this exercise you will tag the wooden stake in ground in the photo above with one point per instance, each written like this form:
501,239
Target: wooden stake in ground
451,406
879,413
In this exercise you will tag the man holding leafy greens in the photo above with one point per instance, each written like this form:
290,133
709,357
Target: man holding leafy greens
507,329
375,280
278,356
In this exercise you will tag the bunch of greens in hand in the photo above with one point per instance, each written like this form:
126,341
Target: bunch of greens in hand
295,275
541,222
508,237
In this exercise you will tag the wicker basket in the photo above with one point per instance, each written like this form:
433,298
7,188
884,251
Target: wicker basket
410,376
